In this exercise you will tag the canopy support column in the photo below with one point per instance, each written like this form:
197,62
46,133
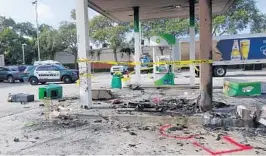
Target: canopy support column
137,44
83,50
205,101
192,40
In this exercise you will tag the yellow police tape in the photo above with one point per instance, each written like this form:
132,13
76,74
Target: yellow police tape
187,62
91,76
179,64
86,75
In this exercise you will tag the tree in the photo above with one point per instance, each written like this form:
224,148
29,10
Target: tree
241,14
67,38
45,27
116,38
6,23
103,30
25,29
73,14
49,43
30,50
259,23
11,47
99,27
12,36
178,27
128,48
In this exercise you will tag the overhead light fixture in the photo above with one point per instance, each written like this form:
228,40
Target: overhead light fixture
178,6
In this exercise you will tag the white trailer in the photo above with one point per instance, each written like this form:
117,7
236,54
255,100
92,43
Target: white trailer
229,50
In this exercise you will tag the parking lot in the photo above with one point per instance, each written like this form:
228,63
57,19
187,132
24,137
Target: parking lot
85,134
103,80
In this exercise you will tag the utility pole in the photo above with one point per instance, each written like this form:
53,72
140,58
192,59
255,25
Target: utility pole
37,28
23,52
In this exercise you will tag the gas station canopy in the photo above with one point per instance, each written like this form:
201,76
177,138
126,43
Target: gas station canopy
121,10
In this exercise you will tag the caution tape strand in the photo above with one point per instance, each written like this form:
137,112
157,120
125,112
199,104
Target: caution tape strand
178,64
187,62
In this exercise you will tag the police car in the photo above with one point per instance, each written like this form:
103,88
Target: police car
51,73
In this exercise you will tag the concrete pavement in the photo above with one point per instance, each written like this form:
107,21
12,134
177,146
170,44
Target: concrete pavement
112,135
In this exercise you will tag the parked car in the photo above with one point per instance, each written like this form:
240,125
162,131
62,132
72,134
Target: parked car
46,62
119,68
10,74
26,72
28,69
50,73
20,68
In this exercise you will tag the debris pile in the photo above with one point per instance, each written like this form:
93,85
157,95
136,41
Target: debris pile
235,116
20,97
135,87
222,115
213,120
55,109
158,104
260,114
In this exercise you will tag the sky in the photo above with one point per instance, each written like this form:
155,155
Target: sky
52,12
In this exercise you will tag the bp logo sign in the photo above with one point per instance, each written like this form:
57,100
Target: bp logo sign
158,41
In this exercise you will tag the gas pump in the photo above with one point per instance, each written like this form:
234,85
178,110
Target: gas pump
145,60
162,68
163,73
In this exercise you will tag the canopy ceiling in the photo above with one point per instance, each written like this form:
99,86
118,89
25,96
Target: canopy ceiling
121,10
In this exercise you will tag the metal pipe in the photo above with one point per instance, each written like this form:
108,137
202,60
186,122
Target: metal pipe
37,28
23,52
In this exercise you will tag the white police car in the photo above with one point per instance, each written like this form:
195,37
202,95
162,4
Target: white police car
51,73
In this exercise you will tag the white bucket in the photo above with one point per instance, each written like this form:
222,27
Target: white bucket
125,81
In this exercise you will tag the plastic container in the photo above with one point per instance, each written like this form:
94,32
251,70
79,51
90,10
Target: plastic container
52,91
239,87
125,81
117,81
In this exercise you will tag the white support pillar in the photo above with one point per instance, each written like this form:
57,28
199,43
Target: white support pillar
154,60
192,40
140,35
173,56
83,50
137,44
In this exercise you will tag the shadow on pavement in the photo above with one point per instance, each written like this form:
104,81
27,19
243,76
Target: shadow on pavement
249,75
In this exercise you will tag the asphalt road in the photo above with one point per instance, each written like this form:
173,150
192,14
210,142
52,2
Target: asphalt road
5,84
85,136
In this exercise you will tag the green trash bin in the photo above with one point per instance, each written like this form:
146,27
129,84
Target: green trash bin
52,91
117,80
42,92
